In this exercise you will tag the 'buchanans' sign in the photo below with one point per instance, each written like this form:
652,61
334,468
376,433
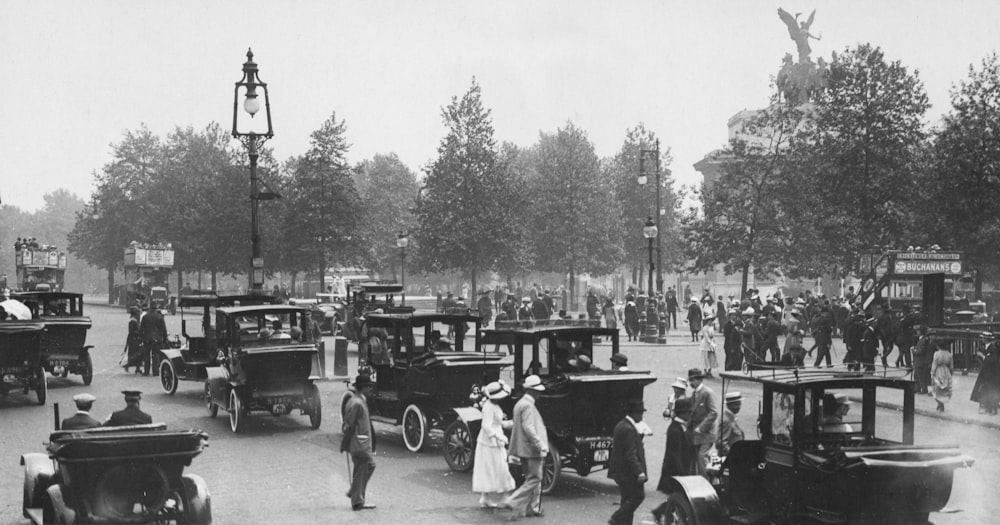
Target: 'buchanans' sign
922,263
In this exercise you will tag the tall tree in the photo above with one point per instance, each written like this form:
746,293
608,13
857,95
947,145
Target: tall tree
573,209
388,190
963,208
458,224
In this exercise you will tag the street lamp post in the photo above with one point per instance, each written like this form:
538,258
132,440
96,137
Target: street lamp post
650,231
402,240
252,140
655,154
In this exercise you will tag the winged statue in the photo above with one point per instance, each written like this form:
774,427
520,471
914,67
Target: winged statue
799,32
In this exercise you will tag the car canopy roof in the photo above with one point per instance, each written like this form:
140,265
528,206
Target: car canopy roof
419,318
266,308
822,378
45,295
211,299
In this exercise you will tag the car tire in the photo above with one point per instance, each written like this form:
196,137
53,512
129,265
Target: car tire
316,414
213,409
41,385
459,447
551,469
197,500
679,510
88,368
414,428
54,508
237,414
168,377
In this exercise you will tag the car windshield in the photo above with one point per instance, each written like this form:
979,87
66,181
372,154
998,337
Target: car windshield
266,327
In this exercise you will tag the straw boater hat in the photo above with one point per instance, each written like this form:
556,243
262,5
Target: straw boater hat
534,382
496,391
734,397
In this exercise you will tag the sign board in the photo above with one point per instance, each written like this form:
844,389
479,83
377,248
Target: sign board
41,258
149,257
926,263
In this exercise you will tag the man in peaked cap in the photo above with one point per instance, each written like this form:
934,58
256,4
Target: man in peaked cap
131,414
82,419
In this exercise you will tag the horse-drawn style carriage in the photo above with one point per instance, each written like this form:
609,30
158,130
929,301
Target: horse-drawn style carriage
200,348
128,474
21,364
814,464
580,405
65,350
421,376
265,363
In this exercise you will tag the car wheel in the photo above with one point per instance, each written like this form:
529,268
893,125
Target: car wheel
41,385
679,511
316,414
459,447
414,428
237,414
54,507
197,500
88,368
213,409
168,377
551,469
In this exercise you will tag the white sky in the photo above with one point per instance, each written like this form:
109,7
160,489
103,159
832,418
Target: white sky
74,75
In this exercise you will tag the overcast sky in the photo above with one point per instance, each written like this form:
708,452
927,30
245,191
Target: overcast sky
75,75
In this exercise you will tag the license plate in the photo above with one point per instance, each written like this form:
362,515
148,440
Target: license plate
59,362
600,456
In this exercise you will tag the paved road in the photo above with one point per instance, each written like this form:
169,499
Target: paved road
281,471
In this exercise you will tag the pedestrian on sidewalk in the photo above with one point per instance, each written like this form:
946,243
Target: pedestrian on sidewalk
490,474
694,319
923,352
942,368
632,320
529,442
987,388
709,360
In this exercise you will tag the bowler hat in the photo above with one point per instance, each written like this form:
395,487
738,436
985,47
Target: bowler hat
635,405
619,359
363,380
695,373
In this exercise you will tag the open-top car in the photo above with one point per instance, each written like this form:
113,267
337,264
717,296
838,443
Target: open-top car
200,348
421,375
265,363
818,462
330,312
130,474
65,350
580,404
21,358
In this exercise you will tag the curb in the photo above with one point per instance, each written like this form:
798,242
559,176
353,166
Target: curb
921,411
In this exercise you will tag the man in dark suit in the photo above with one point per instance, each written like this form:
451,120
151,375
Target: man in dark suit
704,419
153,331
82,419
131,415
627,464
358,441
678,457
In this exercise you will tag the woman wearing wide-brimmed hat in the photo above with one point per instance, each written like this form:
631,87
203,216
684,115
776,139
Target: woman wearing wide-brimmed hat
490,473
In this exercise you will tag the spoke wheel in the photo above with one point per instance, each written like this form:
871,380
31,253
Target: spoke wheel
237,414
168,377
679,511
551,469
88,369
41,385
213,409
459,448
414,428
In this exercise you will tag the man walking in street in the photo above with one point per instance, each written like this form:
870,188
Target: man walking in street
704,419
153,330
627,465
357,441
529,442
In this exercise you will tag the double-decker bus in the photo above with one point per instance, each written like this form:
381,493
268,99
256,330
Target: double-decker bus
40,267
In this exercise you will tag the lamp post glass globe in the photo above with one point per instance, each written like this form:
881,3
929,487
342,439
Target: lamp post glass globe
251,104
643,179
402,240
649,231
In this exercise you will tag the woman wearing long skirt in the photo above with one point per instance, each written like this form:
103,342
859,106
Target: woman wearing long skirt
707,337
941,371
986,391
490,473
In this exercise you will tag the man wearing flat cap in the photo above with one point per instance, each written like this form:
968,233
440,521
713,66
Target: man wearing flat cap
627,465
82,419
729,430
704,419
619,362
130,415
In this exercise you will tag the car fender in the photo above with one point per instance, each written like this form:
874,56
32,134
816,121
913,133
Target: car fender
38,475
218,384
468,414
172,354
702,496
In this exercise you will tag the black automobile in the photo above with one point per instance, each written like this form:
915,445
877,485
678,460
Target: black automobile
65,350
21,366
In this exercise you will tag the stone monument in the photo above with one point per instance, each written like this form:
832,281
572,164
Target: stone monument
800,82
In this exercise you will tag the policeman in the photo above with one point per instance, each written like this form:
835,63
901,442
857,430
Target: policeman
131,415
82,419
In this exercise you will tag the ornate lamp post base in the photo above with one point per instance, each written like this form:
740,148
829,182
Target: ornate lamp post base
652,333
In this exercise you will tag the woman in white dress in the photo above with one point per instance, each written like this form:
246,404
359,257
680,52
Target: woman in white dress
942,368
490,473
707,337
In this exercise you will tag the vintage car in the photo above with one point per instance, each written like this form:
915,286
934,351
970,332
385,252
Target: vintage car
580,407
199,350
65,350
423,375
330,312
130,474
261,366
812,464
367,297
21,365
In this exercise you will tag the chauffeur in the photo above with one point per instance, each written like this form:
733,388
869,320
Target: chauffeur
131,415
82,419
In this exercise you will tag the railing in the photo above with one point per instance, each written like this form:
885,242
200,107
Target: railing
968,342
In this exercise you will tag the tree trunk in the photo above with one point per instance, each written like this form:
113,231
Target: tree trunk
215,287
322,275
473,291
979,285
295,274
743,281
111,285
572,291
